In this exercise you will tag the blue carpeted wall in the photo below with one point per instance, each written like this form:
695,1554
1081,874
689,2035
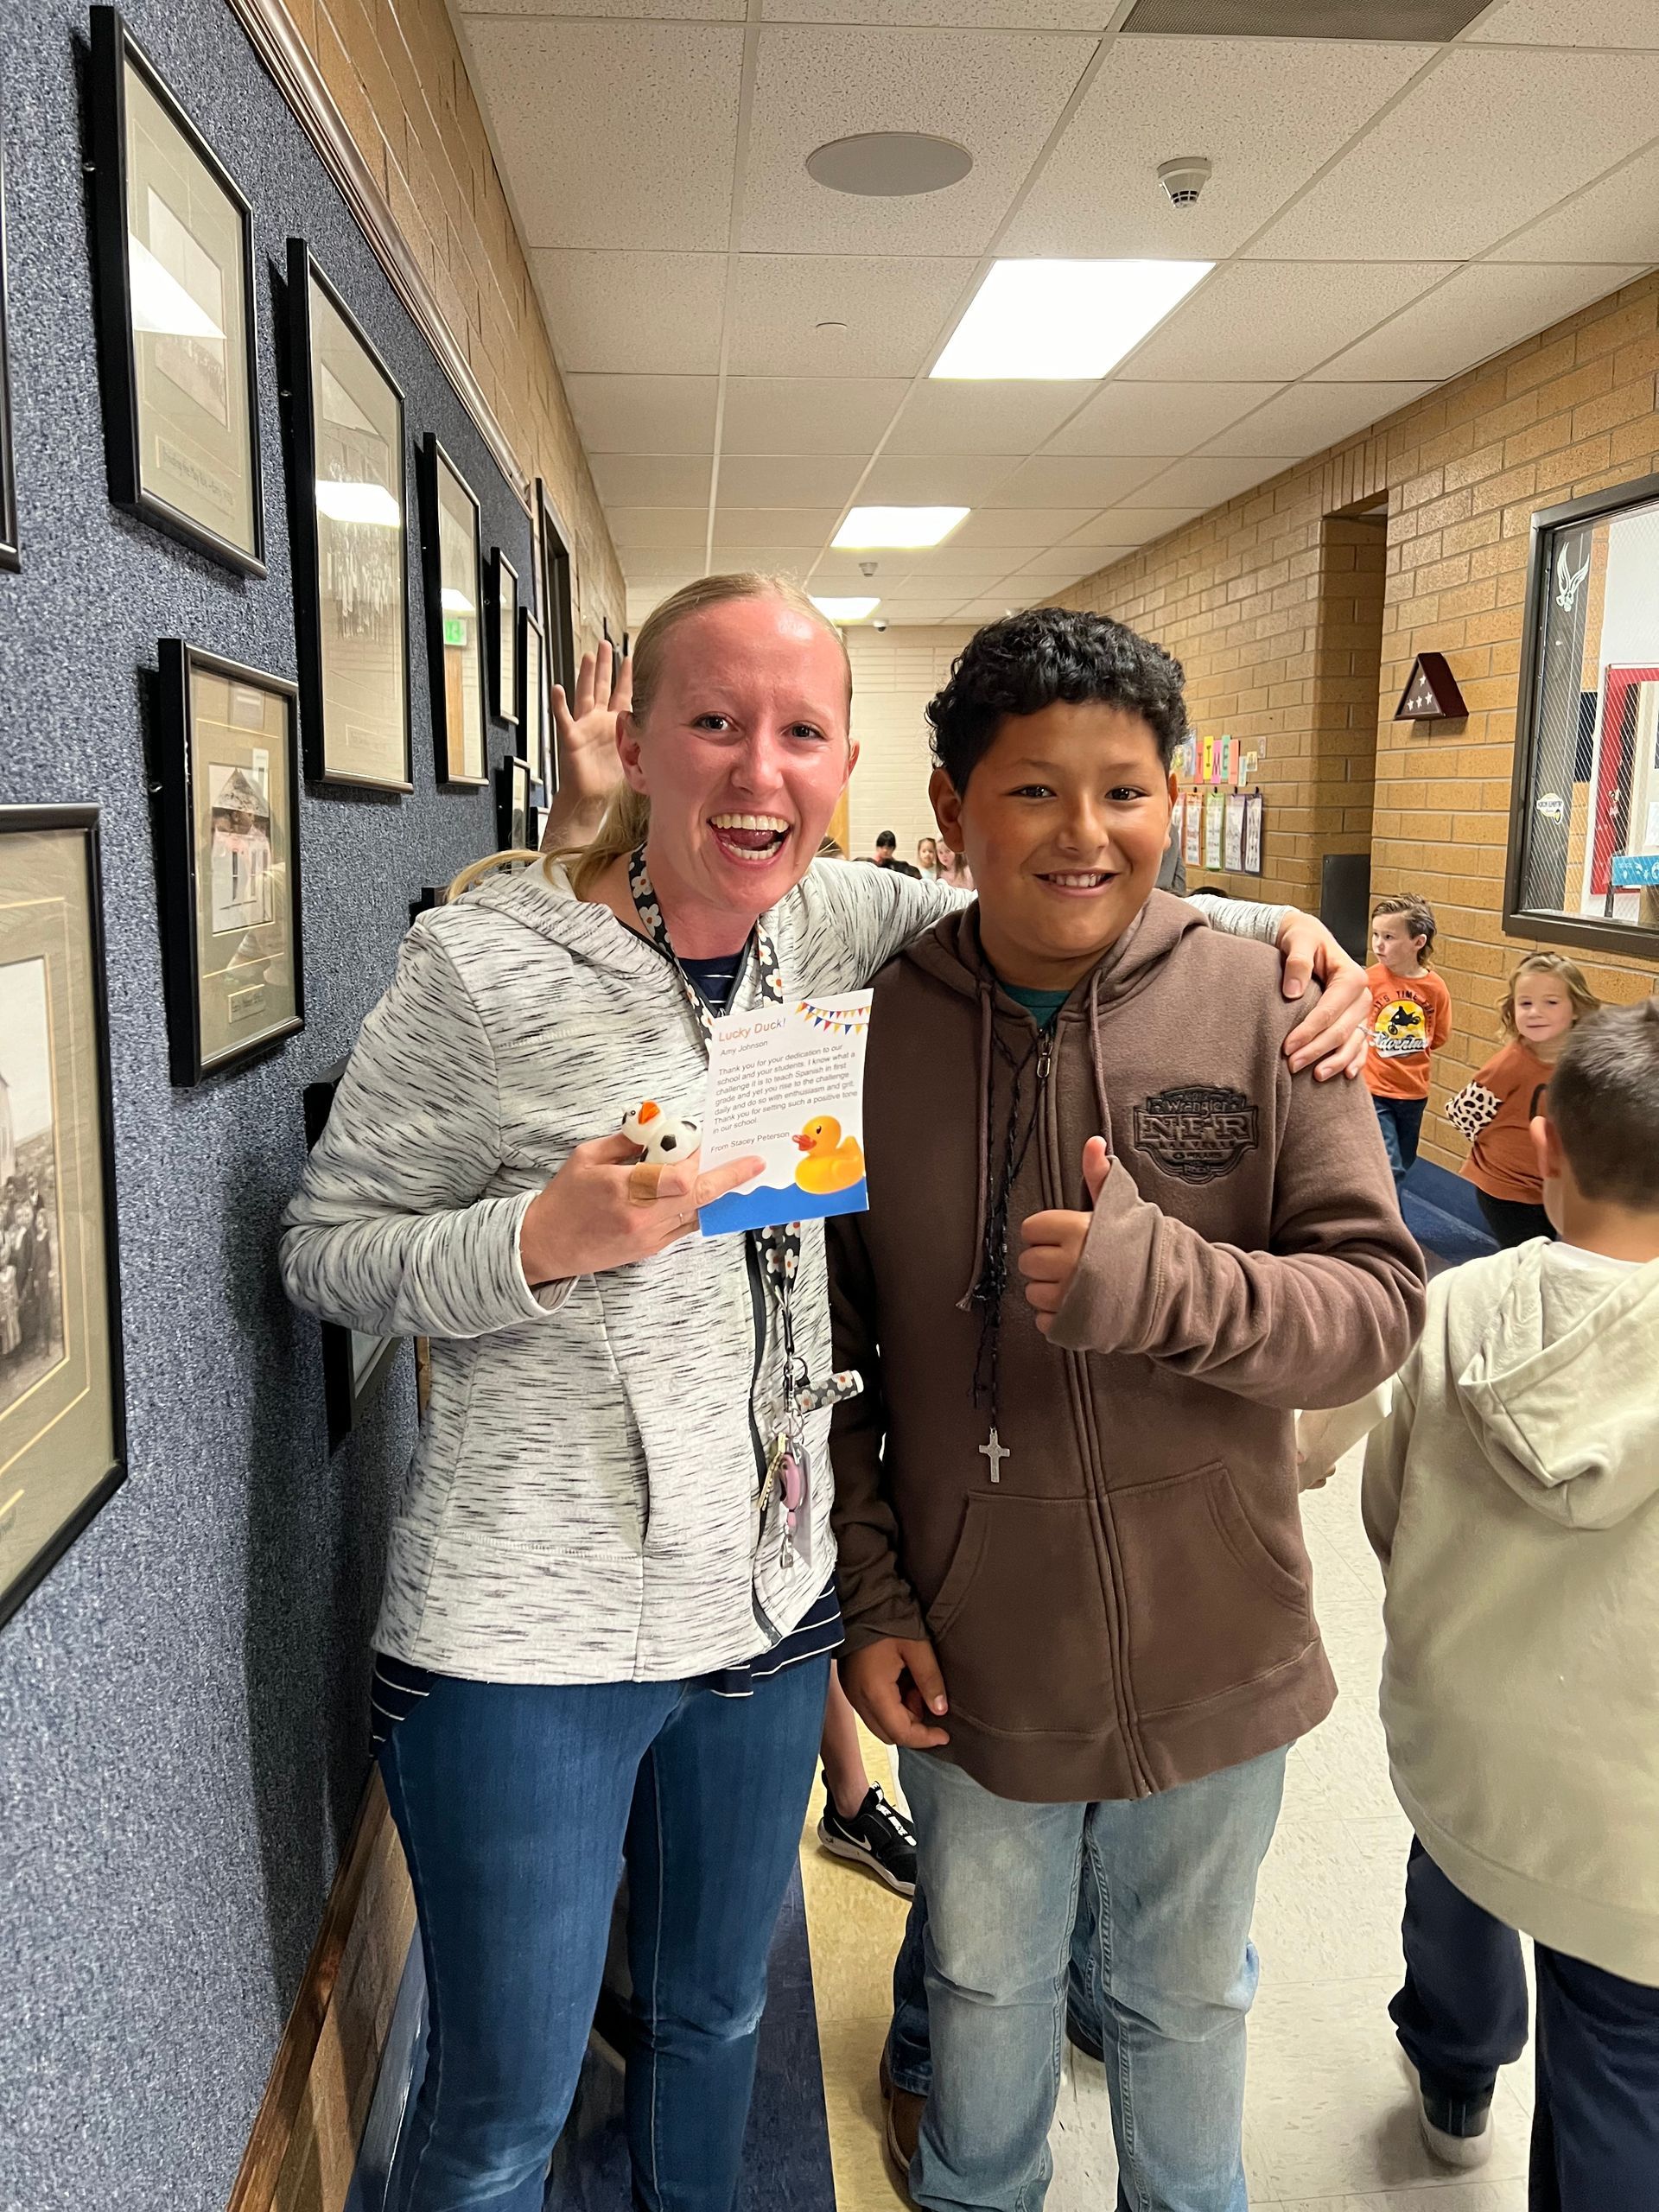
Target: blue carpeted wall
183,1703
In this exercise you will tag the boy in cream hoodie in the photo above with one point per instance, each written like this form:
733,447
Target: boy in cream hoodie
1513,1498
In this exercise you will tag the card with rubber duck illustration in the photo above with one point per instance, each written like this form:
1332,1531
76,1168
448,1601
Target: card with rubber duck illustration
786,1084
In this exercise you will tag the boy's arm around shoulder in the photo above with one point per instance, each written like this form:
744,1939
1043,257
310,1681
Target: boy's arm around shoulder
875,1599
1323,1314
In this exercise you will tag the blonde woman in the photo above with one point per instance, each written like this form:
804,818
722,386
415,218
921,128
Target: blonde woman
598,1640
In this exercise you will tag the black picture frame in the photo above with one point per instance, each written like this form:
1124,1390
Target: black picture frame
303,272
447,741
558,608
350,1379
533,745
501,604
512,799
108,1476
114,50
11,549
431,895
1548,925
191,1059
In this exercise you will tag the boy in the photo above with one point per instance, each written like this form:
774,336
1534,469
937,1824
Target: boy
1070,1562
1411,1017
1521,1700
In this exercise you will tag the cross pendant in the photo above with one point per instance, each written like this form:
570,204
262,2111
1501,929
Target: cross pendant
996,1452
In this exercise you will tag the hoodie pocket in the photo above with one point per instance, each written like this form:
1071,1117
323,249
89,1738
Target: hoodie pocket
1019,1621
1210,1608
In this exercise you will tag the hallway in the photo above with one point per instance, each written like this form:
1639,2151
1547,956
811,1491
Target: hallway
1329,2123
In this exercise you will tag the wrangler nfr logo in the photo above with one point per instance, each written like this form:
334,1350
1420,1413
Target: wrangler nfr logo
1197,1131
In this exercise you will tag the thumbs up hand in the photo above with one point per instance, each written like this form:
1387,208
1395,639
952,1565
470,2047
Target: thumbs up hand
1051,1243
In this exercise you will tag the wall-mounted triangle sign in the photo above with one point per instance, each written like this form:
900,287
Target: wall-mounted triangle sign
1431,694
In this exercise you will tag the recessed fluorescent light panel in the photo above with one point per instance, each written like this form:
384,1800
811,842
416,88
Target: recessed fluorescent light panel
845,610
872,527
1060,320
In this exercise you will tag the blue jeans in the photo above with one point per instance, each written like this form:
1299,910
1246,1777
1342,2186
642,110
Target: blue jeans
1462,2014
1402,1122
517,1805
1171,1968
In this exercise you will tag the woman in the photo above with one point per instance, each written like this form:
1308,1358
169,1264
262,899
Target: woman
599,1642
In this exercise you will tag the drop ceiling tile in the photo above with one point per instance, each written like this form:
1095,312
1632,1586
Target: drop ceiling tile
1140,525
651,479
659,415
952,416
809,414
998,93
990,609
1156,418
770,560
965,15
901,613
633,312
1266,112
1474,314
704,11
654,529
1072,479
1489,139
775,480
776,525
666,92
1023,529
935,480
1571,23
1613,220
1203,483
1089,558
894,307
960,577
1261,320
1044,571
1305,417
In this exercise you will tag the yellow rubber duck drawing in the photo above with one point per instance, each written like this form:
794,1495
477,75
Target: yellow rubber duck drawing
833,1162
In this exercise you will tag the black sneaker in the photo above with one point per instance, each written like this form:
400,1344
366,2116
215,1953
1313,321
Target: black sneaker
877,1836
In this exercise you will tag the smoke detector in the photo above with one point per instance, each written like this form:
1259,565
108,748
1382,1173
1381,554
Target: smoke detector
868,568
1183,178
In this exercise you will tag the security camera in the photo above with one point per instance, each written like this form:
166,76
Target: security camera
880,623
868,568
1183,178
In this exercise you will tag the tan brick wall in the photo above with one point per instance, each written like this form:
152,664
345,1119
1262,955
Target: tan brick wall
396,76
1240,593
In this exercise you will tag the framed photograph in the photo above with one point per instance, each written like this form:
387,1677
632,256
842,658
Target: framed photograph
512,804
455,623
502,603
351,542
9,548
174,238
62,1422
432,894
353,1366
1584,810
230,861
558,598
533,745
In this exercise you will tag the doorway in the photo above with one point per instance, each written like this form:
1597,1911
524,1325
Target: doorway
1348,669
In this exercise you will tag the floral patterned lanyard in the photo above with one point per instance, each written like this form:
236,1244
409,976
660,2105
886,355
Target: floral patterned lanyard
788,1472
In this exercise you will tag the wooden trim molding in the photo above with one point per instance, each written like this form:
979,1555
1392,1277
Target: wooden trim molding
303,2146
280,48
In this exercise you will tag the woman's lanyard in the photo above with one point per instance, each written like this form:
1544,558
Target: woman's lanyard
788,1471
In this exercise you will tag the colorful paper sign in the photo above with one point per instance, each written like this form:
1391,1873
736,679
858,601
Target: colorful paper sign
786,1084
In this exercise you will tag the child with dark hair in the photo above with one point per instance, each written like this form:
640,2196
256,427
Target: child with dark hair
1411,1017
1512,1496
1547,996
1113,1244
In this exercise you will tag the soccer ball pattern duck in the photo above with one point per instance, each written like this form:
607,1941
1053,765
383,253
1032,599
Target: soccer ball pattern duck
664,1138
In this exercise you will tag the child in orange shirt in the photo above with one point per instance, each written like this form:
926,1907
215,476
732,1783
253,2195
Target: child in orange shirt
1547,996
1411,1017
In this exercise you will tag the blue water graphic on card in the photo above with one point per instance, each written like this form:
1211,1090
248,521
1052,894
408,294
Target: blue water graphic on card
766,1206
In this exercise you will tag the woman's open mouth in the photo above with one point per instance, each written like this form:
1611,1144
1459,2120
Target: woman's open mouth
752,839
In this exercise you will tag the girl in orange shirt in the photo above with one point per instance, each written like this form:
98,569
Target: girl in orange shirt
1547,996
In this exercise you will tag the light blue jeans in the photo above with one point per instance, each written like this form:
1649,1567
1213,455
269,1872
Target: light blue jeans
1173,1966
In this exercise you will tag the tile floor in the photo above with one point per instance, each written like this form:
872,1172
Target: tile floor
1329,2124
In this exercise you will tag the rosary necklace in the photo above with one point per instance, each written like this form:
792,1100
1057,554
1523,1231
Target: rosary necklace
991,1286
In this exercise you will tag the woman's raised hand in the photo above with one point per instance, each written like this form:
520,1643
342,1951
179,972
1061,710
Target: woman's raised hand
585,729
607,1207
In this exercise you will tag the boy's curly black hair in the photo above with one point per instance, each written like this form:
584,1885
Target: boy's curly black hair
1028,661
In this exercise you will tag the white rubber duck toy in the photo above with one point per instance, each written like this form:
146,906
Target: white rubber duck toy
664,1137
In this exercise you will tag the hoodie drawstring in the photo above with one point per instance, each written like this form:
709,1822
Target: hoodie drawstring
986,1019
1097,1061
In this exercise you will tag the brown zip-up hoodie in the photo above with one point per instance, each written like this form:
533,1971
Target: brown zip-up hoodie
1127,1603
